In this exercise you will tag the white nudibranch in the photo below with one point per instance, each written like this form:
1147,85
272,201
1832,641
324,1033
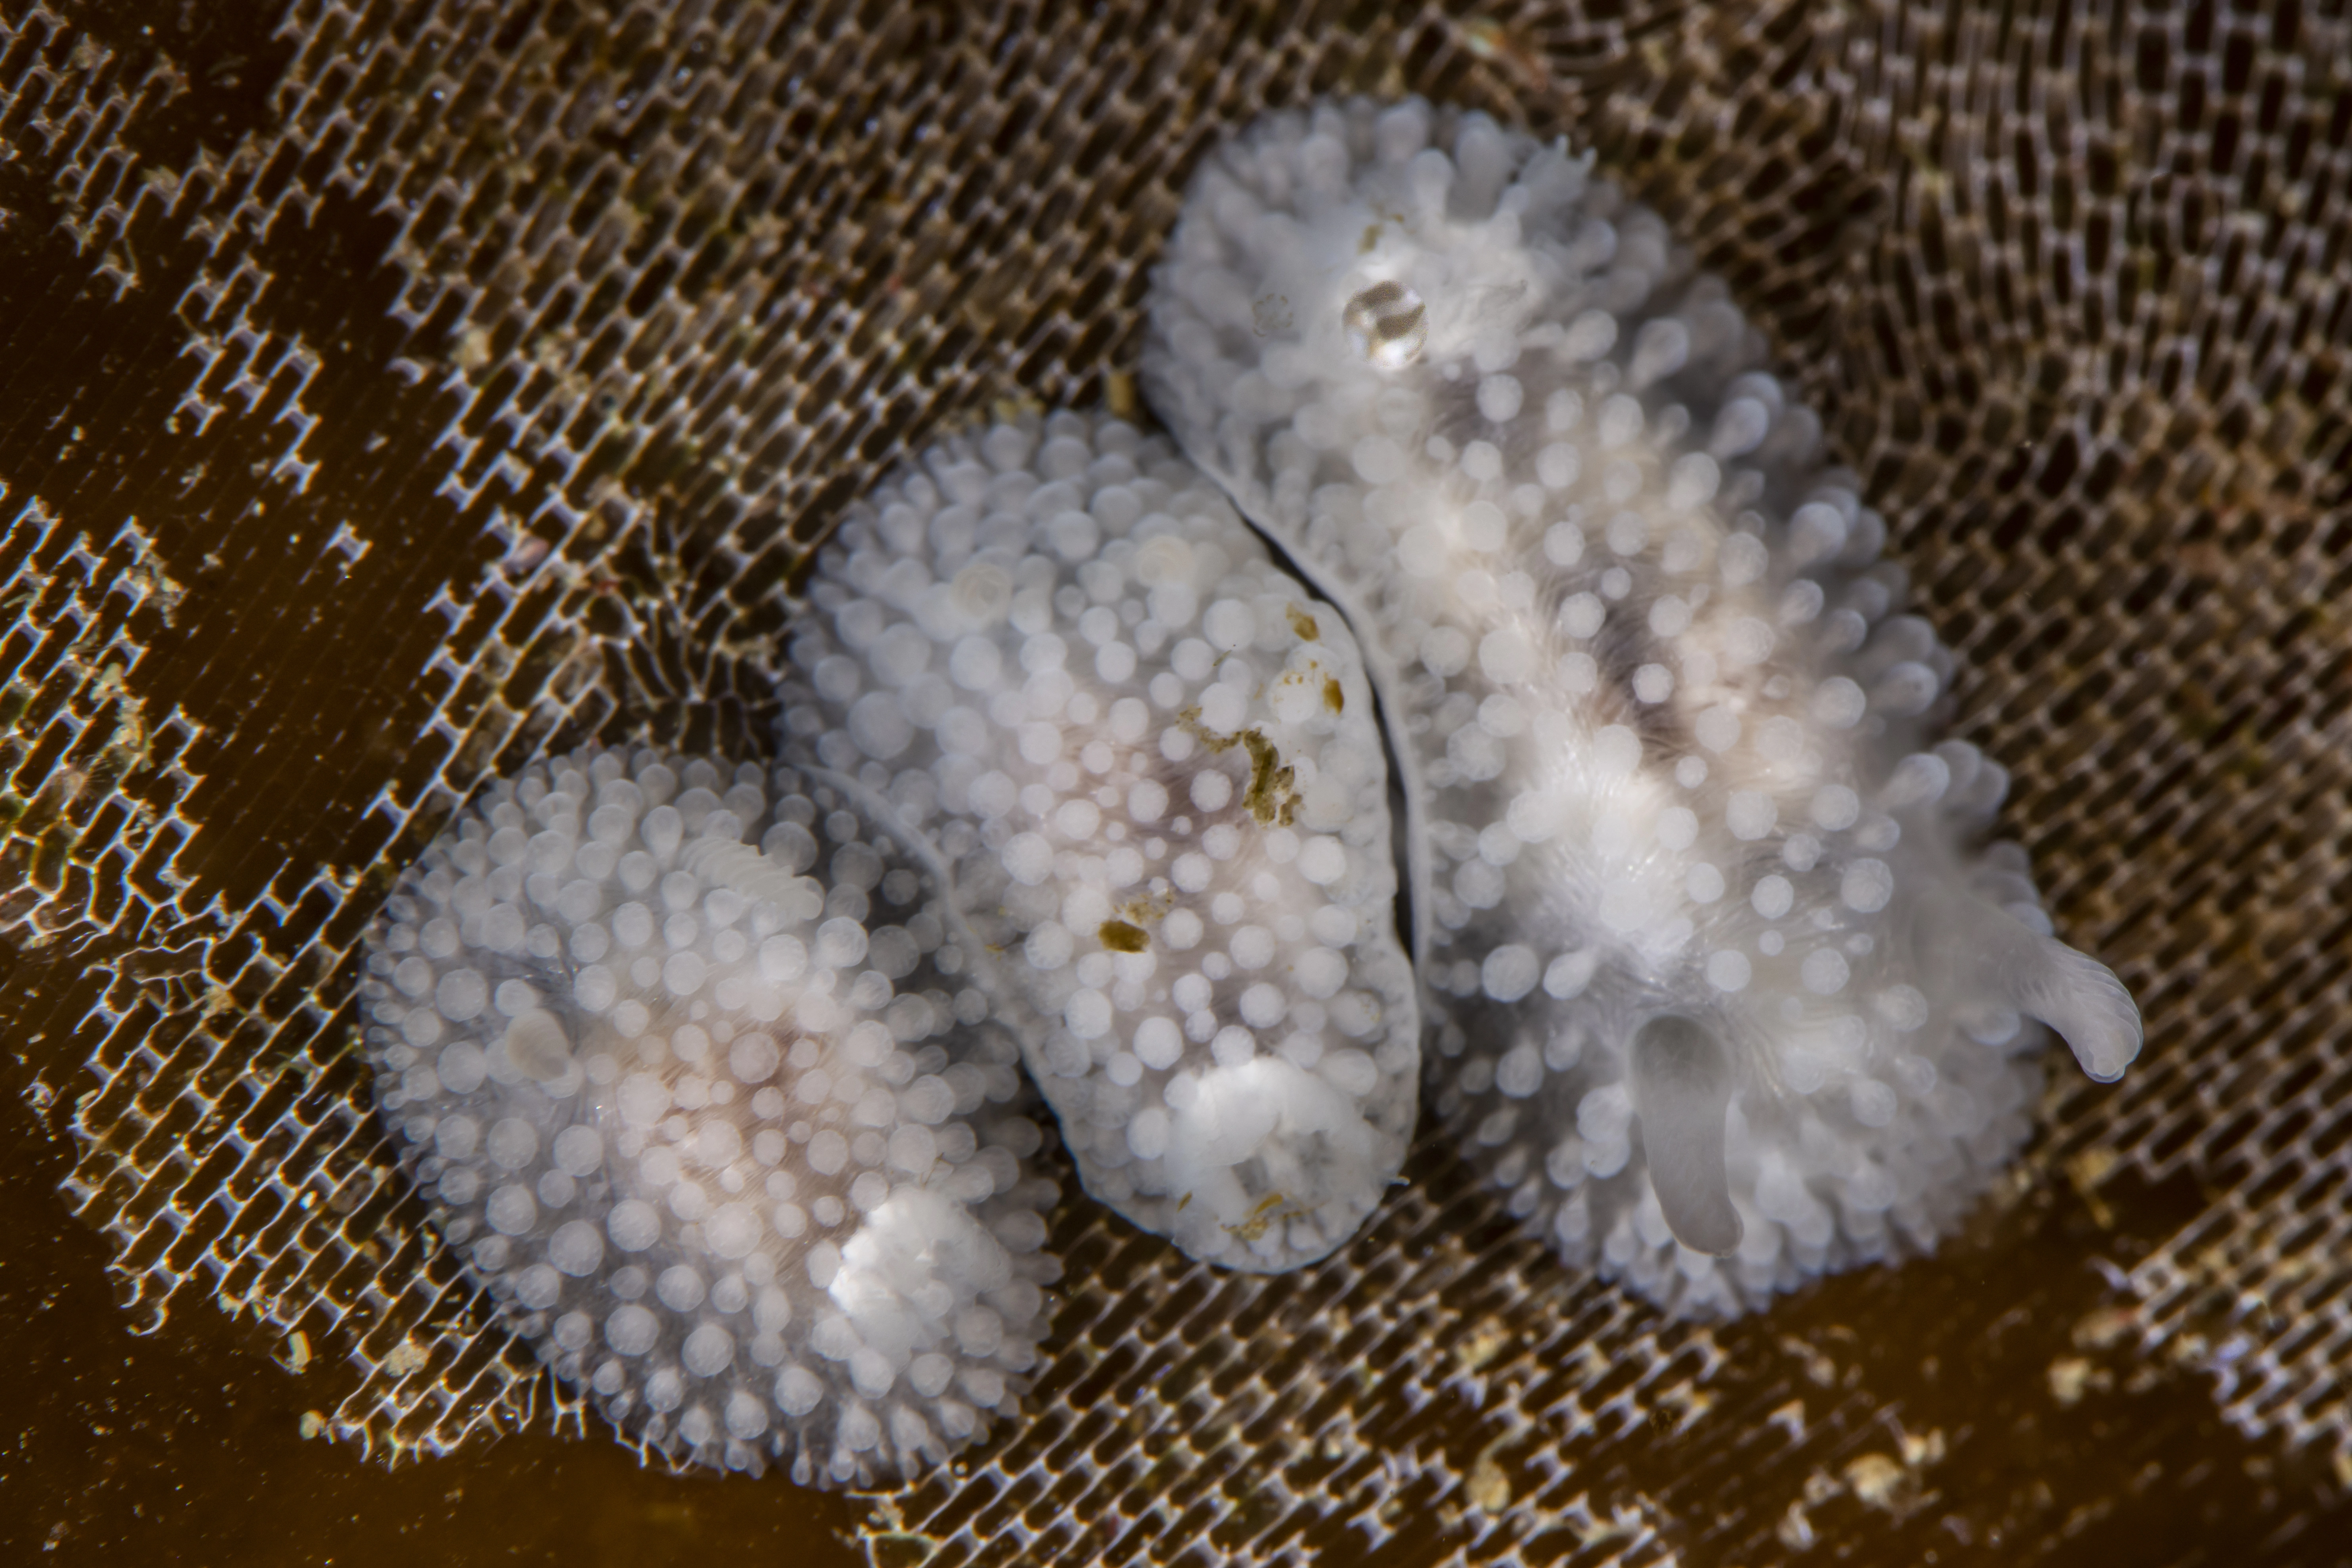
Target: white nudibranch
680,1060
1146,761
1718,991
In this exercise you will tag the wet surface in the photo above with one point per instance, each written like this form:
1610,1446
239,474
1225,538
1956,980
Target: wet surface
394,390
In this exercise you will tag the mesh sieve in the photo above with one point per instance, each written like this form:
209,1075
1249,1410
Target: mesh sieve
397,390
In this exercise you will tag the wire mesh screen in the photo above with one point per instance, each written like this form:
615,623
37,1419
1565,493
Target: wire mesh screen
399,390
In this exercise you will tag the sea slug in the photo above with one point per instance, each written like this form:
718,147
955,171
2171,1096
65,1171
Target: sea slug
1718,992
689,1073
1148,765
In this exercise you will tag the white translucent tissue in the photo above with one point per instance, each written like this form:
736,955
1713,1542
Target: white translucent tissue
680,1056
1147,763
1718,991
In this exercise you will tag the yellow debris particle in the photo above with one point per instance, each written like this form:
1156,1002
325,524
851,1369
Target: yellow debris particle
1014,409
473,351
1879,1482
1259,1217
1272,794
1490,1489
1819,1367
1924,1450
2072,1376
1123,936
2085,1171
408,1356
1304,624
2102,1326
1140,913
1479,1346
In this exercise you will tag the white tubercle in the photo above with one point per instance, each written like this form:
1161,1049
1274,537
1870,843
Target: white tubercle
1149,765
680,1059
1716,992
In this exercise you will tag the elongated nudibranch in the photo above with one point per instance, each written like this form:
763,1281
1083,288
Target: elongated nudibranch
1148,763
682,1059
1717,988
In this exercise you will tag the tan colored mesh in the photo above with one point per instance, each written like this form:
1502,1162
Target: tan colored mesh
397,389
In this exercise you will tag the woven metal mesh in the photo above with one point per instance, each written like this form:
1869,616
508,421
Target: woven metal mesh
395,390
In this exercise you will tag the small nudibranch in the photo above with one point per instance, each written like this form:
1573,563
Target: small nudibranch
1149,765
1716,991
682,1059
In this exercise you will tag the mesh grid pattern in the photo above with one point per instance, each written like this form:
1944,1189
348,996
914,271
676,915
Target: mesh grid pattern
480,377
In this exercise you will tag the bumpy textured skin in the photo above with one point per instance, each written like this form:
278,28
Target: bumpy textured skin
1716,991
1149,766
684,1065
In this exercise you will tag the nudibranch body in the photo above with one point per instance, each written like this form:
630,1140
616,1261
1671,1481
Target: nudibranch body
1147,763
685,1065
1716,990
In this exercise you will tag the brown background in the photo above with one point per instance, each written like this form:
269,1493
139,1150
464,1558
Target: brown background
393,389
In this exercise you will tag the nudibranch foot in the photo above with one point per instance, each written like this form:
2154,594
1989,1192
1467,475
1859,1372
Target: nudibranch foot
681,1058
